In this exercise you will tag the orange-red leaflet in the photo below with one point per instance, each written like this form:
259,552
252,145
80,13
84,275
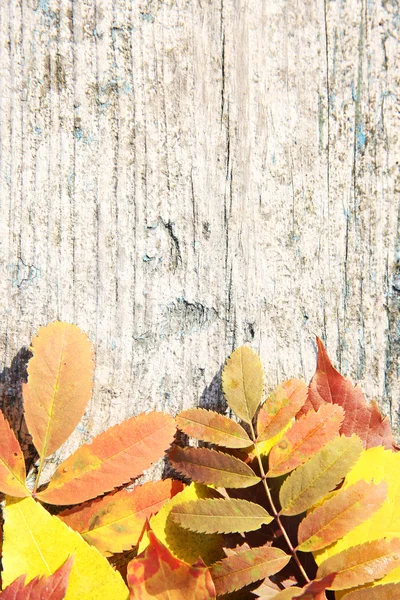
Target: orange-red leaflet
315,590
212,467
12,463
328,385
53,587
60,381
280,408
157,574
391,591
304,438
113,458
362,564
340,514
210,426
114,523
245,567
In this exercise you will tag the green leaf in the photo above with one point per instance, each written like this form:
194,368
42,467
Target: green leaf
310,482
243,382
212,467
221,515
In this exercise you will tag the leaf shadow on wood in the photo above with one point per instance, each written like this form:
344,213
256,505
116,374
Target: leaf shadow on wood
11,402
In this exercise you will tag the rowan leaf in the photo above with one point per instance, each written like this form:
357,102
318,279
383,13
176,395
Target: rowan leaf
315,590
289,593
184,544
60,381
374,465
310,482
390,591
45,543
362,564
304,438
340,514
115,522
12,462
210,426
157,574
53,587
113,458
280,407
363,419
243,382
243,568
212,467
220,515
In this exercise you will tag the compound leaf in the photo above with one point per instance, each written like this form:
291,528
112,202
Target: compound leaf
53,587
305,438
45,543
340,514
310,482
212,467
363,419
243,568
210,426
114,523
391,591
12,462
113,458
280,407
60,381
243,382
220,515
157,574
362,564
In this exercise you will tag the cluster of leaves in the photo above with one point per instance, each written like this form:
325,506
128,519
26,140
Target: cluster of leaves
298,500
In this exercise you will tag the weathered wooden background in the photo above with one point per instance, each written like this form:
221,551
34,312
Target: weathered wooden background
181,177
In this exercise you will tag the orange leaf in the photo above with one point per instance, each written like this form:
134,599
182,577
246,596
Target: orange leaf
53,587
113,458
315,590
391,591
304,438
157,574
212,467
328,385
115,522
361,564
280,408
212,427
340,514
60,381
12,463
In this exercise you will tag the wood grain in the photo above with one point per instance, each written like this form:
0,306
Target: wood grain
180,177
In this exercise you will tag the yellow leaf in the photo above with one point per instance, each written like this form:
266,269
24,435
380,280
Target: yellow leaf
36,543
374,465
243,382
185,545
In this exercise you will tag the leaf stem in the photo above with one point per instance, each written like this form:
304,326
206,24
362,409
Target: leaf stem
35,487
273,507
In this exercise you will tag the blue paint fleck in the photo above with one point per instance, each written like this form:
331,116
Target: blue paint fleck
147,258
361,138
353,92
113,345
147,17
273,158
78,133
44,5
38,130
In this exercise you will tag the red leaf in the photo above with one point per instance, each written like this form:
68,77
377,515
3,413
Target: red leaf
12,463
113,458
328,385
156,573
53,587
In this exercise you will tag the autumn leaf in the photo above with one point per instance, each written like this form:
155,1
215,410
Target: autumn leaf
310,482
212,467
362,564
315,590
210,426
113,458
45,543
390,591
115,522
289,593
304,438
60,381
243,382
53,587
12,463
340,514
280,408
363,419
243,568
157,574
220,515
